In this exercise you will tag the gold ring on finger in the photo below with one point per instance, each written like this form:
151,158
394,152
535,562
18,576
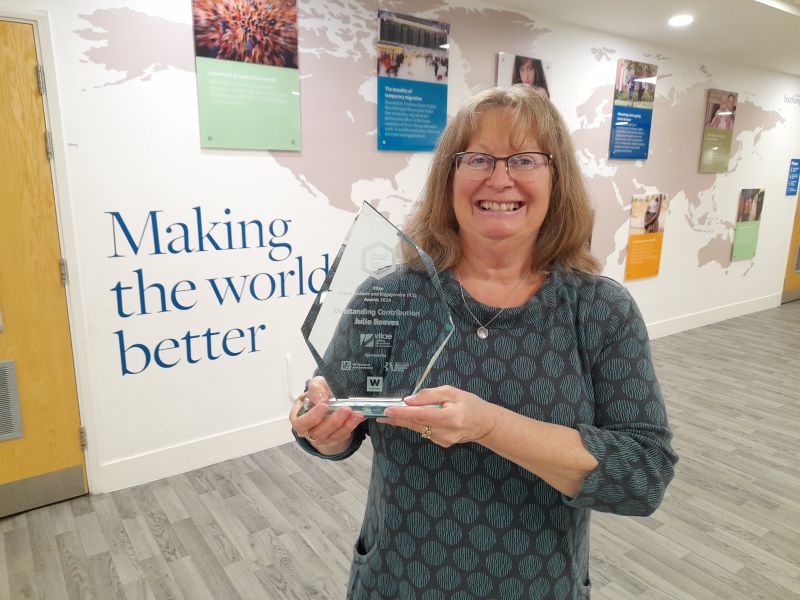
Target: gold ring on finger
309,438
426,432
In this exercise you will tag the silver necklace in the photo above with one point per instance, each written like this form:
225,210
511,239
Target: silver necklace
483,330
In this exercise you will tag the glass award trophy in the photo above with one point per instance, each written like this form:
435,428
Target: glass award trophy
380,319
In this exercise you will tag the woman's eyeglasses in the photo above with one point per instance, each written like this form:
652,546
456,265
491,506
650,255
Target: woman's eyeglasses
479,165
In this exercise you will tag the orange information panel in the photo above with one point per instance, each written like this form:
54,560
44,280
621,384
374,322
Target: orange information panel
648,214
644,255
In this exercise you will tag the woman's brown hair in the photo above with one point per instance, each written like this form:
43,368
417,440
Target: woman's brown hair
567,228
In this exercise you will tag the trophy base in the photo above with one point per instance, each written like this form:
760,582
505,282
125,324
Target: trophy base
371,408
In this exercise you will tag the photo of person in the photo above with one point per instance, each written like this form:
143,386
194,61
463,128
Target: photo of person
721,109
412,48
515,69
625,79
751,201
262,32
529,72
635,84
652,213
648,214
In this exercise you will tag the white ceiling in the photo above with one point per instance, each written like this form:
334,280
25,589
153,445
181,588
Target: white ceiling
760,33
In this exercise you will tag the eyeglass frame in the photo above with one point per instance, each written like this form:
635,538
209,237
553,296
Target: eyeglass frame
505,159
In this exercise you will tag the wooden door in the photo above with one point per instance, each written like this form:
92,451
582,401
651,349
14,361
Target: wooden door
41,457
791,284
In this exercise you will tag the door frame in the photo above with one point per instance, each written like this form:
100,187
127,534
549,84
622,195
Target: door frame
65,222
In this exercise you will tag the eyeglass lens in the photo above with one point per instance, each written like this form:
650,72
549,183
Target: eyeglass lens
478,165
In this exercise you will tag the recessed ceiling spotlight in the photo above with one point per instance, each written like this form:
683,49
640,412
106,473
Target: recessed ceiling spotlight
681,20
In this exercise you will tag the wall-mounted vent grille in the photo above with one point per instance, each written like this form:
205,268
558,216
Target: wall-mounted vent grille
10,423
797,261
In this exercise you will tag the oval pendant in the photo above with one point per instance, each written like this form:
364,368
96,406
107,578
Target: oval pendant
483,333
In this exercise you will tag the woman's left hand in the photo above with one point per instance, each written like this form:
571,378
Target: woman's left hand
463,417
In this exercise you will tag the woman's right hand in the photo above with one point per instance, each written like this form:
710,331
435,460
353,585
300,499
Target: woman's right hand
329,434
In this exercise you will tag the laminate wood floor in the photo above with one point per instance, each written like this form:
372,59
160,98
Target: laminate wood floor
280,525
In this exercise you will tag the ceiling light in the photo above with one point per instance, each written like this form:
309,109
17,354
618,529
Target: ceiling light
681,20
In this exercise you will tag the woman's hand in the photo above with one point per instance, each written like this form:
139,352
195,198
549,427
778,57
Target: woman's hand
464,417
329,434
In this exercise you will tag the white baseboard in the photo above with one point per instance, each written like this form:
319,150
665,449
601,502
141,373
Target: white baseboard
192,454
714,315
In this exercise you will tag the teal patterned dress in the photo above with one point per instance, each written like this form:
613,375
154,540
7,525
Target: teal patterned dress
464,523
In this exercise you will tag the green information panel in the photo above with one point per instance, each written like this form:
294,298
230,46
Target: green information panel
248,106
716,150
745,240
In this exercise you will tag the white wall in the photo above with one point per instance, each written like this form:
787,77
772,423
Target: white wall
127,111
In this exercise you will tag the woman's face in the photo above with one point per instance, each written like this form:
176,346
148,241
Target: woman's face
526,73
500,208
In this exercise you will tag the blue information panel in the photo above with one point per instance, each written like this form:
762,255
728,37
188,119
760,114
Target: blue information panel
634,96
630,132
794,177
413,65
411,114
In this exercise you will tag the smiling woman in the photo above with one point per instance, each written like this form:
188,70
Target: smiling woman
504,205
521,121
544,404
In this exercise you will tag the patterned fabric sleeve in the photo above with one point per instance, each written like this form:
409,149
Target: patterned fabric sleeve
358,436
630,437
